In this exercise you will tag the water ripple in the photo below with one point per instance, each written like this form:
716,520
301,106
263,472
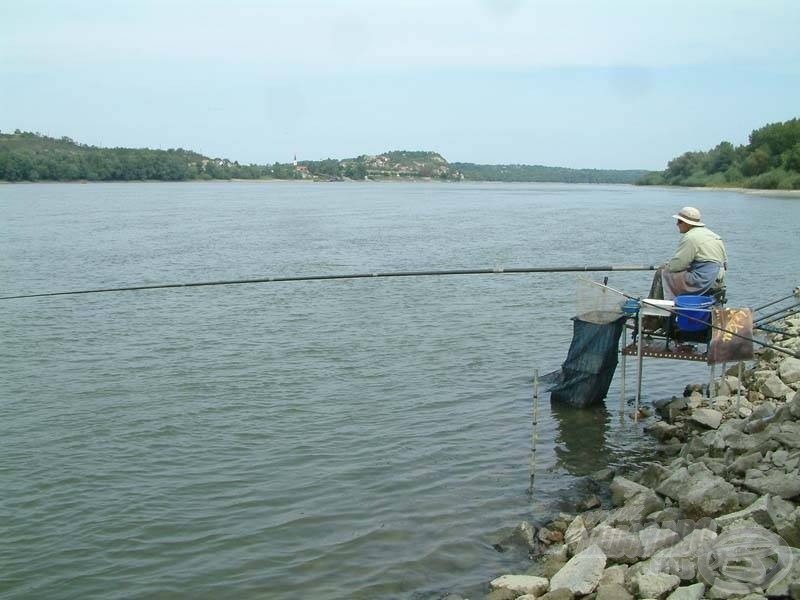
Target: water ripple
350,439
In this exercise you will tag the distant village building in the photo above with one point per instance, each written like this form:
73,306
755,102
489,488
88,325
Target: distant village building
301,170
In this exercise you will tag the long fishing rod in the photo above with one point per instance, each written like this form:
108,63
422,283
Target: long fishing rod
793,295
789,313
778,314
333,277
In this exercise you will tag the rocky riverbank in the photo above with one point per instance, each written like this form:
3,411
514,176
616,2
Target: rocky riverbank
716,517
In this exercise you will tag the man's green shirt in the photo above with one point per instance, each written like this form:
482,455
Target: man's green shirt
698,244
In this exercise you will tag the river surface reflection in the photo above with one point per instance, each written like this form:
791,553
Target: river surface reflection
349,439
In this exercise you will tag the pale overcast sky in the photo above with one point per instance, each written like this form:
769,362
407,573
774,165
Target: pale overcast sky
575,83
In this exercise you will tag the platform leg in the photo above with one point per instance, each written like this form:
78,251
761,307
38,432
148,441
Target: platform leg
639,351
710,381
622,374
739,392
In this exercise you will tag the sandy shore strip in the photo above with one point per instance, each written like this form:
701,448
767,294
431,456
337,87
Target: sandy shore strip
753,192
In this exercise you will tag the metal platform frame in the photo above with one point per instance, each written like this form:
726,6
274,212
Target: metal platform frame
643,345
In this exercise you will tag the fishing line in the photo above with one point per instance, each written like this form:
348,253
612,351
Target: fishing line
496,270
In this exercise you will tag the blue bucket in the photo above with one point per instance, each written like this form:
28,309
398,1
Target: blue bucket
693,307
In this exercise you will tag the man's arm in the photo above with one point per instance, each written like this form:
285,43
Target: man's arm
684,255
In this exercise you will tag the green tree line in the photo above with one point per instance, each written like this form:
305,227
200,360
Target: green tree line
542,174
771,160
26,156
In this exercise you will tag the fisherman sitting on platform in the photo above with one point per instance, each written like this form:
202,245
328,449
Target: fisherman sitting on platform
698,265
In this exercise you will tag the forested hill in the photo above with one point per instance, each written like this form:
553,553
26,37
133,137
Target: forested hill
26,156
539,173
771,160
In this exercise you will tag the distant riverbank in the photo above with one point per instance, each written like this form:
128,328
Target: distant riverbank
760,192
27,156
392,180
741,190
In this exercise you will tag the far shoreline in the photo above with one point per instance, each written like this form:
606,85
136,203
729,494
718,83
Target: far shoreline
741,190
756,191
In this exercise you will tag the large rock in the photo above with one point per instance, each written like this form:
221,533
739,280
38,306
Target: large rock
594,517
683,527
550,562
789,370
588,503
674,409
728,386
712,442
746,462
744,559
722,403
614,574
717,466
690,592
502,595
635,510
662,430
780,586
779,458
521,584
673,513
559,594
656,585
785,520
653,539
746,498
623,489
774,481
732,425
759,511
708,417
699,492
576,535
763,411
792,461
582,572
612,591
673,485
617,544
739,442
681,559
773,387
524,535
702,445
653,474
794,406
695,400
788,434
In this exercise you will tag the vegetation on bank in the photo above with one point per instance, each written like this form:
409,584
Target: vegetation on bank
26,156
771,160
539,173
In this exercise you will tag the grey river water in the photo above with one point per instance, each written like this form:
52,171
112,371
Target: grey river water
340,439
